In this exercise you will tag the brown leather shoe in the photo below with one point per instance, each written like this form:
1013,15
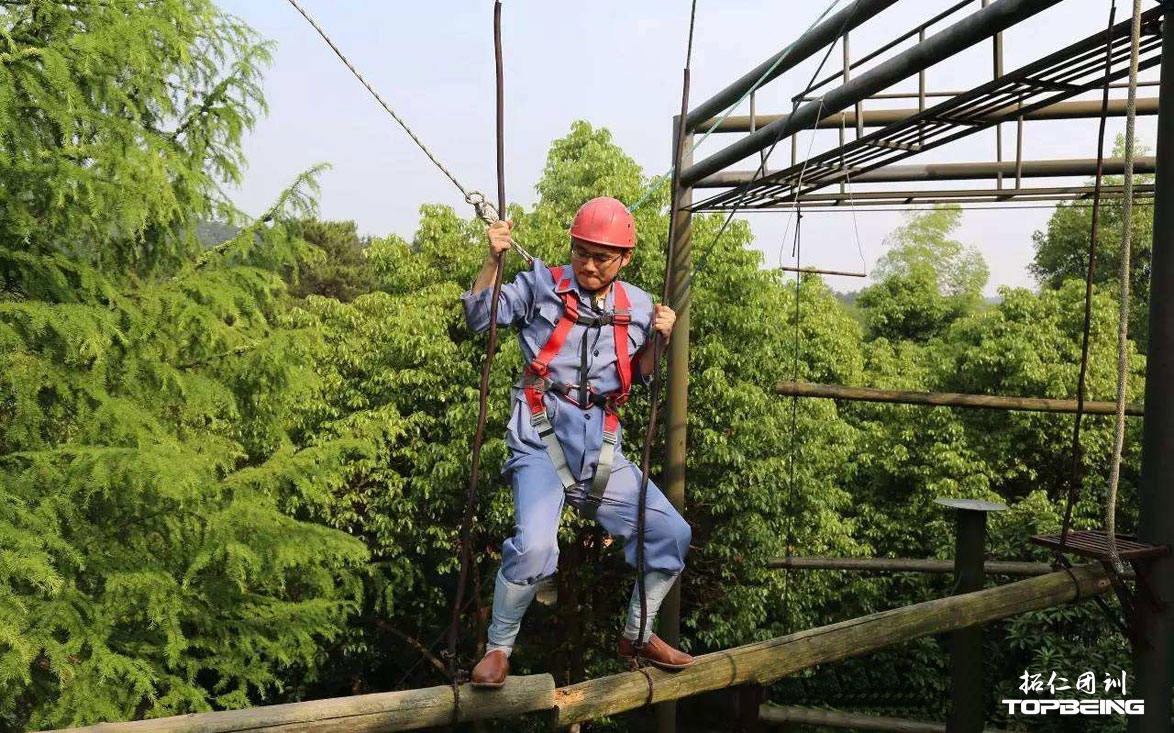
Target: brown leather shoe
656,651
492,670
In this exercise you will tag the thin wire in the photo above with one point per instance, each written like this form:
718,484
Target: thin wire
654,392
378,98
797,253
852,205
657,183
1123,314
795,212
485,210
762,167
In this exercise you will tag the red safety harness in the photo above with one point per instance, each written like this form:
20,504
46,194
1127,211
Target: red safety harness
536,381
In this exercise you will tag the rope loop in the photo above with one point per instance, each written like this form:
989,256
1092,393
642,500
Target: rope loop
486,211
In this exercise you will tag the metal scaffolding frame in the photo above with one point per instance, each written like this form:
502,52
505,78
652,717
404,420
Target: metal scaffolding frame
1046,89
1074,70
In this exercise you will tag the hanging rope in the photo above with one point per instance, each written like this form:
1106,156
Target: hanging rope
654,398
797,253
483,400
485,210
1081,382
852,201
1123,303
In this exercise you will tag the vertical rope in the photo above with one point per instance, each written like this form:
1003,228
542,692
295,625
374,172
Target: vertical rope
797,252
483,408
1123,315
1081,382
670,255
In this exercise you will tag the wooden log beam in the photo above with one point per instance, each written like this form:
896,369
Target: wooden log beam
904,564
949,399
759,663
767,661
384,711
783,715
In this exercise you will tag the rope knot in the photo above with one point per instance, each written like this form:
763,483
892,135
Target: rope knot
486,211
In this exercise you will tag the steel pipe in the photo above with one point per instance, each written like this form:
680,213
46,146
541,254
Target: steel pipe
965,33
1071,110
904,564
958,171
950,196
947,399
818,271
1153,656
786,715
803,48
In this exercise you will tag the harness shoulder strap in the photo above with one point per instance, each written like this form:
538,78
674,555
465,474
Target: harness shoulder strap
621,320
541,362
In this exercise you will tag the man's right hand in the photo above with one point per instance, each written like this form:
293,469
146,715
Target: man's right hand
499,238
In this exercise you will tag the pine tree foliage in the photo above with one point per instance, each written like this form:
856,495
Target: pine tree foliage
156,553
154,561
120,122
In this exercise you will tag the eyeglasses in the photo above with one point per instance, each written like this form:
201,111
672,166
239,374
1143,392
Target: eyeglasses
601,259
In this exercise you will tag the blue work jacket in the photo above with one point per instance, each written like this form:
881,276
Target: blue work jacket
533,305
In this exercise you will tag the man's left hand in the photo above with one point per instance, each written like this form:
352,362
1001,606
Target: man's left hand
663,319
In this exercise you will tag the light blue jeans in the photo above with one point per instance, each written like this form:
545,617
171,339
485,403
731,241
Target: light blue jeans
510,601
532,553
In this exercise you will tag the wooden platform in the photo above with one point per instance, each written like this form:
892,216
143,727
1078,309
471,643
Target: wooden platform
1094,544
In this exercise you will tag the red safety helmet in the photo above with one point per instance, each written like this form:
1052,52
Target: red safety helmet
605,221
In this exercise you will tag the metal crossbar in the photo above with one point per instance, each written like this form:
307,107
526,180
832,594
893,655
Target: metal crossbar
1071,71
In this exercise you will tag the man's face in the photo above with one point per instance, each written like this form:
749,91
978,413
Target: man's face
596,265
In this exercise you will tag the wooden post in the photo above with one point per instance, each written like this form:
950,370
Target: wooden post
747,701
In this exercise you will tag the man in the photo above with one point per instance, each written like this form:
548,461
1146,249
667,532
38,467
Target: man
585,336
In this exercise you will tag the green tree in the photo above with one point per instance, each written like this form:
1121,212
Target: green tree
157,561
1061,250
340,269
121,120
927,279
155,489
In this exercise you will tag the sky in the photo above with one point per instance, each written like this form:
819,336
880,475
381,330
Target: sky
616,64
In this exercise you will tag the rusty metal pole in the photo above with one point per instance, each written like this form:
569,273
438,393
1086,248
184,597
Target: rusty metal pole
676,409
1153,654
966,690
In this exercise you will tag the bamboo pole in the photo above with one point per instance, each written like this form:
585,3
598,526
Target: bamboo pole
782,715
767,661
948,399
817,271
759,663
384,711
904,564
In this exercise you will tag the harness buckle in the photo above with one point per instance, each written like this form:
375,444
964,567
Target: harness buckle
614,402
535,381
621,317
